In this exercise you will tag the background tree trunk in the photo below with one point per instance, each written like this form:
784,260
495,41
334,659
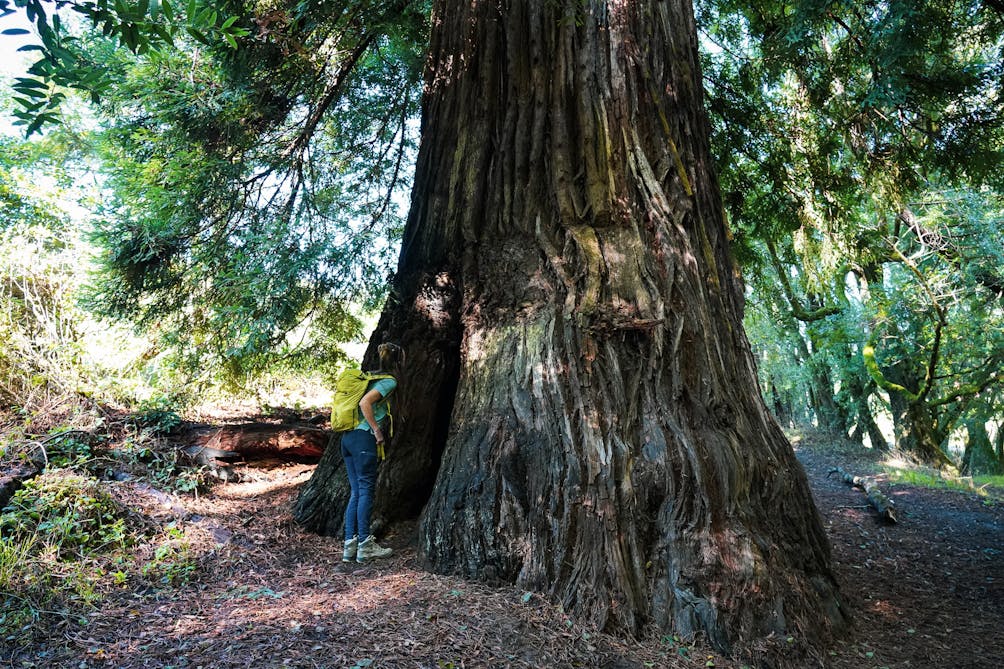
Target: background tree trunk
782,406
858,390
979,456
875,435
915,430
572,320
999,447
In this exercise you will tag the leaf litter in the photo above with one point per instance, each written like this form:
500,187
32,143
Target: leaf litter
263,593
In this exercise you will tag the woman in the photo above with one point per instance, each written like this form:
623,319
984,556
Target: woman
359,449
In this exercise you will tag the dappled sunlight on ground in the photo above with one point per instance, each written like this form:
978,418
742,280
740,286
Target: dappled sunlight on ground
252,489
260,592
378,592
897,463
885,608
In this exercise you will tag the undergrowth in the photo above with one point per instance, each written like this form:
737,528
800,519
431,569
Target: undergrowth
56,536
66,541
114,445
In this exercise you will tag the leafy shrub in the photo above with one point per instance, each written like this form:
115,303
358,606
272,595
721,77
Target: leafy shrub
159,421
71,450
55,535
172,563
157,416
69,514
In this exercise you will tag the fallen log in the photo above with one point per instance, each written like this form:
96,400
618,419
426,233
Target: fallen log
22,460
885,506
255,441
12,477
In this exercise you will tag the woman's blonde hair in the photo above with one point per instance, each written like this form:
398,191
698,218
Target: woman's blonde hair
391,356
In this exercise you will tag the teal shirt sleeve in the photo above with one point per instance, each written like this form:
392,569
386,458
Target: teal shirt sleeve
386,387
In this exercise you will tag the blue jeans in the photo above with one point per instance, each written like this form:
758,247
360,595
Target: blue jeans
359,453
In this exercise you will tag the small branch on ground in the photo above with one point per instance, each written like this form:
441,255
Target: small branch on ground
885,506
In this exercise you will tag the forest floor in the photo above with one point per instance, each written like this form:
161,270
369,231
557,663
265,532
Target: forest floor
257,591
926,592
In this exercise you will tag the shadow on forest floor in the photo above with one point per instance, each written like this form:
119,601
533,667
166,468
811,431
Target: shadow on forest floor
927,592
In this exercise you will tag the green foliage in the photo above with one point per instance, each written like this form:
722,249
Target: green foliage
64,60
53,534
172,563
892,88
827,114
857,146
157,416
242,224
70,450
39,323
69,513
254,195
51,351
65,541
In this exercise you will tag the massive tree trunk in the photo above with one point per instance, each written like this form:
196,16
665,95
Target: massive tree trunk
572,320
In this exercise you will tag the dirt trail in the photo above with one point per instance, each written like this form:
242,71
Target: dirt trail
928,592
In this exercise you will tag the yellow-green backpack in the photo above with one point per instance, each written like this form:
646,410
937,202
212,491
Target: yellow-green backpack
349,389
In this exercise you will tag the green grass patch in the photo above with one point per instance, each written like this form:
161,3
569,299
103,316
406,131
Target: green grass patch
993,481
986,486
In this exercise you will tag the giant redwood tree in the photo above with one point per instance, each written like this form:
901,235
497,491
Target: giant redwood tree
580,413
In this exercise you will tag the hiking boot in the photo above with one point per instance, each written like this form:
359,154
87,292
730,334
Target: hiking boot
370,549
349,554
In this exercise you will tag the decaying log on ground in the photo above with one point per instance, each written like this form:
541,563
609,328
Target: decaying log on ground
885,506
23,459
253,441
13,476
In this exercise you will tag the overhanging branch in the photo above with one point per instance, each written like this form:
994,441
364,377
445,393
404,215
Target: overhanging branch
335,89
871,364
797,310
